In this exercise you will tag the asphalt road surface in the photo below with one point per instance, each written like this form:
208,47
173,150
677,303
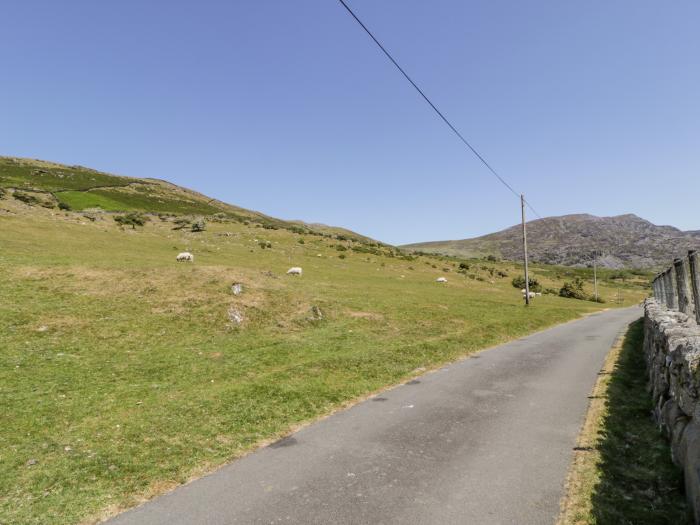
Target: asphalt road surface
485,440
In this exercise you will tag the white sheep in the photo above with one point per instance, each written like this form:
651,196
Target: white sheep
184,257
294,271
441,280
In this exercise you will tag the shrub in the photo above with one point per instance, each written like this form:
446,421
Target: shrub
181,223
519,283
265,244
2,192
63,206
573,289
463,266
132,219
340,248
301,241
491,258
342,256
199,226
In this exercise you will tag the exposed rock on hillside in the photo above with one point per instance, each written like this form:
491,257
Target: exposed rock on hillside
622,241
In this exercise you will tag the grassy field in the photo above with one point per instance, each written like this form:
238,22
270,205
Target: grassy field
622,471
122,375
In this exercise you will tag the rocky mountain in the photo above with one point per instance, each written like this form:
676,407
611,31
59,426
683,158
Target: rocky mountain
621,241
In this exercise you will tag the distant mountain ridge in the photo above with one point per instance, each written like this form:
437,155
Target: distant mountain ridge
623,241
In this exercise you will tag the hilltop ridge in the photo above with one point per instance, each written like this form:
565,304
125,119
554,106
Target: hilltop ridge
84,189
622,241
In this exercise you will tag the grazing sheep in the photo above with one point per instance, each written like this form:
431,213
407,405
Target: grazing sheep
531,294
185,257
441,280
294,271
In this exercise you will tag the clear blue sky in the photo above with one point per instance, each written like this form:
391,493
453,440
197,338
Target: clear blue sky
288,108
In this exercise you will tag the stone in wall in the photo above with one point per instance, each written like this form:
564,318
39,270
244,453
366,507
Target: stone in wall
672,348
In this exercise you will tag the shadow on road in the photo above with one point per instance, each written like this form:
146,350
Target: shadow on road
639,484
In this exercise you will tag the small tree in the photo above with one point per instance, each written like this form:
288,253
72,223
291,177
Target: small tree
519,282
132,219
199,226
573,289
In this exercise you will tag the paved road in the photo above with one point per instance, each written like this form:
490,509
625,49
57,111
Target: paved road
486,440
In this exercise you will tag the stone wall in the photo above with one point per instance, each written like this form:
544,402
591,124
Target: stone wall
672,347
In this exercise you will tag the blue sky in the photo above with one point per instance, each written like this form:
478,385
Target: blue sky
288,108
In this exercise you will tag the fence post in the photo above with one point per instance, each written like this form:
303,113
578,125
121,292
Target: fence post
695,282
671,289
684,304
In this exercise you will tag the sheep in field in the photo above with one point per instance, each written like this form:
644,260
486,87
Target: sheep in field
441,280
294,271
185,257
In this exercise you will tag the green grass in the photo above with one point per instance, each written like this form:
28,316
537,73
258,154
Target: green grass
46,176
131,199
121,375
622,471
638,484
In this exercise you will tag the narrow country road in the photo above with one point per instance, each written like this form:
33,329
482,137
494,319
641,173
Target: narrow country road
486,440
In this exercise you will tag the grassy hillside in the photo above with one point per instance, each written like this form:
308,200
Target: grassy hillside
122,373
82,189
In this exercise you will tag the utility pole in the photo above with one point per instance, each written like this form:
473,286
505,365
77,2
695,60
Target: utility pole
527,276
595,275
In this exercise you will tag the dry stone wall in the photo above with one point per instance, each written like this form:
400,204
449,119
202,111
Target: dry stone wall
672,347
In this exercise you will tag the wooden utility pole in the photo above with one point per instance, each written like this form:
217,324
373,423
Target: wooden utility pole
527,276
595,275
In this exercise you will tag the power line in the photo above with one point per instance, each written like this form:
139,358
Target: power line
430,103
445,120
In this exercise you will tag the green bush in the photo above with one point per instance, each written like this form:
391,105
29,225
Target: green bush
132,219
63,206
573,289
519,283
199,226
182,222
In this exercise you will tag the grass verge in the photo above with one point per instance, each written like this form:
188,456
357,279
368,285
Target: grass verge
622,471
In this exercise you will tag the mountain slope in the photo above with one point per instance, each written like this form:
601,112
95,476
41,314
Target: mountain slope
622,241
78,188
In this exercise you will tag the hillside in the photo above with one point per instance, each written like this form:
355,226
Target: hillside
623,241
77,188
124,373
